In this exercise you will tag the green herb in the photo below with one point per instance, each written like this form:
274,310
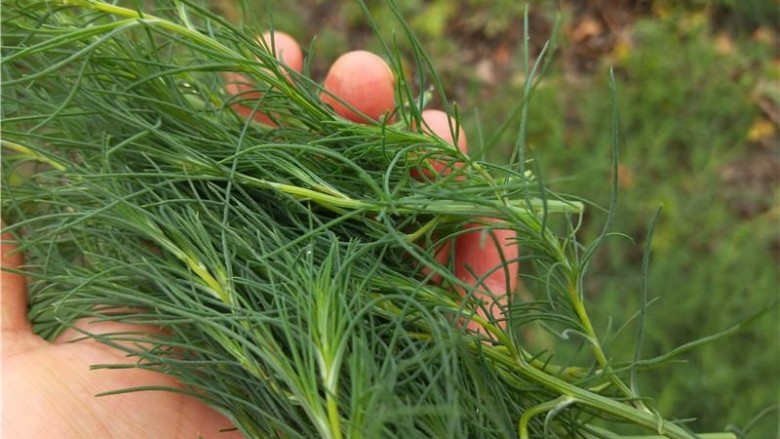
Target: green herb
284,263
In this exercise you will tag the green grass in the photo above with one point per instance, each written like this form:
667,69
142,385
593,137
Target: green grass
686,110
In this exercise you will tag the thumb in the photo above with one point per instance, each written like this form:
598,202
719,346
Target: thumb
13,287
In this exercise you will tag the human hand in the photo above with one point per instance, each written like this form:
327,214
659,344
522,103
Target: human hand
50,388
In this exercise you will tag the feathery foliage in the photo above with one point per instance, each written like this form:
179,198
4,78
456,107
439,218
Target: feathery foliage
285,262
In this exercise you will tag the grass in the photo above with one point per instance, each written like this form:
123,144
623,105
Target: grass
697,137
695,141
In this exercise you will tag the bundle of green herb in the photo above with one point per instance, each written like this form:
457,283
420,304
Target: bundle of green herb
290,265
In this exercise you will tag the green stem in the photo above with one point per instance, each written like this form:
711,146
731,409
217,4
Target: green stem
700,436
582,396
579,307
525,419
598,351
408,206
31,154
333,416
511,359
203,40
602,433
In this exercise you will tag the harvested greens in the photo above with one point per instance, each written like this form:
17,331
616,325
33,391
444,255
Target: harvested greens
290,265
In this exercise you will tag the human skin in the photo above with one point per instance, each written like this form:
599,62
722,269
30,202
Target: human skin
49,388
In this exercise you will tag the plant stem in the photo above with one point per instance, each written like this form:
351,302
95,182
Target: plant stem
537,410
598,351
602,432
582,396
32,154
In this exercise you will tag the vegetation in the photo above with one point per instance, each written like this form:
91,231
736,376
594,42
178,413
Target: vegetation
183,233
698,102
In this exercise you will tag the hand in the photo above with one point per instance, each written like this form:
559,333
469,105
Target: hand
49,388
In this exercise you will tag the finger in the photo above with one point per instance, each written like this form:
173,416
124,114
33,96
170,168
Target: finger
287,51
360,87
442,125
239,86
285,48
13,288
437,122
486,259
445,127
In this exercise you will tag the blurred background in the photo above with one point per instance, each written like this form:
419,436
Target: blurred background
698,93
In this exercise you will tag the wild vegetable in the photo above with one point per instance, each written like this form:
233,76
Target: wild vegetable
288,256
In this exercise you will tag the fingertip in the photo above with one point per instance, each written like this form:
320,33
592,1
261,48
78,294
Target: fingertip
441,124
363,81
285,48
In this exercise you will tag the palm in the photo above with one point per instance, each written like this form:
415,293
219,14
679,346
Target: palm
49,388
